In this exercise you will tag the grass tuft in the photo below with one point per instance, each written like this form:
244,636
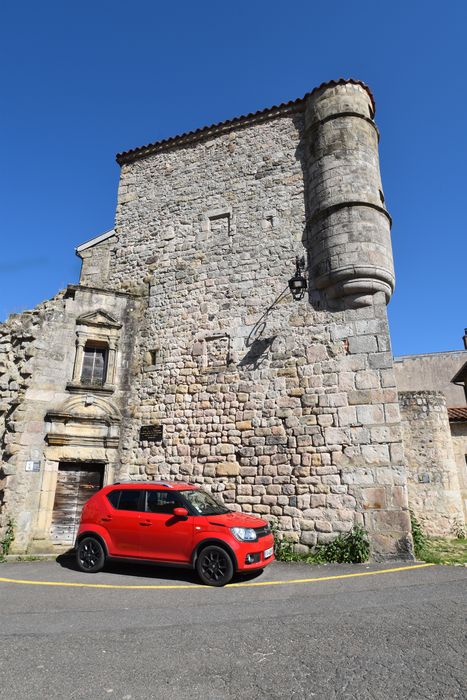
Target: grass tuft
444,550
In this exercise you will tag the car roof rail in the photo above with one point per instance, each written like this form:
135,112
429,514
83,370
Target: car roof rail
162,482
128,481
144,483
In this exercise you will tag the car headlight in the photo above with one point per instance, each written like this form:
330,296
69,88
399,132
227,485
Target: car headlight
244,534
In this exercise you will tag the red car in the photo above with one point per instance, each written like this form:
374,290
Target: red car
171,523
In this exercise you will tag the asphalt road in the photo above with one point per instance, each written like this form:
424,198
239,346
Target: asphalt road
390,635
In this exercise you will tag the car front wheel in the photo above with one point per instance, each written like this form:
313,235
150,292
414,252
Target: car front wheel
214,566
90,555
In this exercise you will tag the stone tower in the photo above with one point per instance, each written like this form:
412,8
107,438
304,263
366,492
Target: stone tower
347,222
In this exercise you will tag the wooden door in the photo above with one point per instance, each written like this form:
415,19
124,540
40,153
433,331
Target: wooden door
75,484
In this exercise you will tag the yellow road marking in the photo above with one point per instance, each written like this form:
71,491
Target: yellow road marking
231,585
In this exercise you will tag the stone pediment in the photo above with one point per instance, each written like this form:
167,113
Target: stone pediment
83,422
86,408
98,318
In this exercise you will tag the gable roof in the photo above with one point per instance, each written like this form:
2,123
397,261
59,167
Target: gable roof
94,241
230,124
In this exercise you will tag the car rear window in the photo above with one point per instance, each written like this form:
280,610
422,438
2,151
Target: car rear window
125,499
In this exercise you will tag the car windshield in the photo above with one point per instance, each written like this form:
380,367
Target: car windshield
204,503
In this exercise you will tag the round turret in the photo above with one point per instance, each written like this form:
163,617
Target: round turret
348,225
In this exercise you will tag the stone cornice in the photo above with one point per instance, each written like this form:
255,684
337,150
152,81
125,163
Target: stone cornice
72,288
61,417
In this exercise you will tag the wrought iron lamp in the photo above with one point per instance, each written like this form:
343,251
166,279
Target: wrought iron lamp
297,283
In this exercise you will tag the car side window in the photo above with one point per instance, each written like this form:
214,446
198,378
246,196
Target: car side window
161,501
113,497
129,499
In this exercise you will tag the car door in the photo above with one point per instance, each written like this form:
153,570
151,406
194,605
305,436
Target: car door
122,522
165,536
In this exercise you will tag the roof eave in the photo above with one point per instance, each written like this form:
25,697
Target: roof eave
94,241
230,124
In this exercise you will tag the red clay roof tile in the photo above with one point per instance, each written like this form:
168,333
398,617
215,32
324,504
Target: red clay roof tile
457,414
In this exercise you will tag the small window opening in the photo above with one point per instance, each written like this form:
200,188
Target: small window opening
220,226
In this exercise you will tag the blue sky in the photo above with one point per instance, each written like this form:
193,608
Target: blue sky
82,81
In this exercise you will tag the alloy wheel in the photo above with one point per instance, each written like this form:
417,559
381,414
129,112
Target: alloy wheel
214,565
90,555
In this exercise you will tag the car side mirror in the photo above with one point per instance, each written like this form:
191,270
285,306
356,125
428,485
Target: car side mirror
180,512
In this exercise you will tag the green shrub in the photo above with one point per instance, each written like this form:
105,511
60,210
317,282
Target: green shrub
283,550
350,548
8,538
418,536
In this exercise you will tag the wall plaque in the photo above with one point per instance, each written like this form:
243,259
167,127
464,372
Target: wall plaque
33,466
151,433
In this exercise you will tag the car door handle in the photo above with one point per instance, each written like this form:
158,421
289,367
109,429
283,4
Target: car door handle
106,519
145,523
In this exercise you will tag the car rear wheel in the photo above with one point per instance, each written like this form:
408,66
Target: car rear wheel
214,566
90,555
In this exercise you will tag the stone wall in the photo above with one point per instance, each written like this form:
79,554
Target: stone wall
18,338
459,444
96,261
284,408
433,483
39,348
432,372
287,409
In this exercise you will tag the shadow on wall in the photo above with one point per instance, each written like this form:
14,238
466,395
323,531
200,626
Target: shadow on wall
257,344
256,354
317,298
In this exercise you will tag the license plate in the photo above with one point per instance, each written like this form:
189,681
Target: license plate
268,552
